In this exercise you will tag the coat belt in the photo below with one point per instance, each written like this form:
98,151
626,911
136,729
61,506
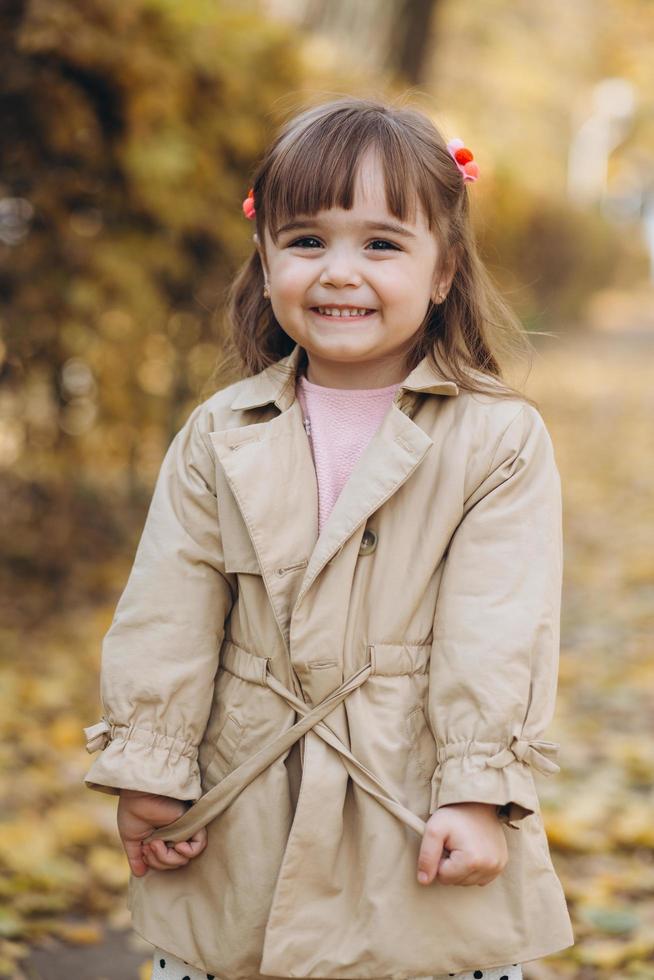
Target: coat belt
256,669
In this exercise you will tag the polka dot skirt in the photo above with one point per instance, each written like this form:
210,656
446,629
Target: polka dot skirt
165,966
168,967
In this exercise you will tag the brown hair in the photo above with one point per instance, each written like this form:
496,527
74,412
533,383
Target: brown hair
312,165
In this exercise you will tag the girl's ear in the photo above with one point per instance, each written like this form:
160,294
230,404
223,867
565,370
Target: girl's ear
262,258
443,280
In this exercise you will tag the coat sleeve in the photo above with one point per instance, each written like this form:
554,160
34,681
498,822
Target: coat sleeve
494,662
160,654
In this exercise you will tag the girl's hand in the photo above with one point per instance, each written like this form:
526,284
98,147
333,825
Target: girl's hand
473,835
141,813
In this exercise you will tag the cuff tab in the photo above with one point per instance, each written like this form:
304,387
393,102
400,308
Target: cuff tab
534,753
97,736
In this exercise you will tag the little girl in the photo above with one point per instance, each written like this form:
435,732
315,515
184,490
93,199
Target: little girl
327,679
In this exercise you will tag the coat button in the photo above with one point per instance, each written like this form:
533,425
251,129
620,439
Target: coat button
368,542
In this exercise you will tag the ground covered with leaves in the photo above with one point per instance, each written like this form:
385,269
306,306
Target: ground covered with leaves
64,875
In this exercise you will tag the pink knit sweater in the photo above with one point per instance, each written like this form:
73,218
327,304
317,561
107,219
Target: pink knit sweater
342,421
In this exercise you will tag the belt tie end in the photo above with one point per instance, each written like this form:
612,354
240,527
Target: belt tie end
534,753
97,736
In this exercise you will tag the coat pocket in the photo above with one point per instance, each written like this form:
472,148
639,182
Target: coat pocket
423,744
238,550
225,748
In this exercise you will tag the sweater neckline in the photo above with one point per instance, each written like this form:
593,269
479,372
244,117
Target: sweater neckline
344,392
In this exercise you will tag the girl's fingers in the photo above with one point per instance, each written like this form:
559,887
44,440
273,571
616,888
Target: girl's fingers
194,846
455,869
474,878
200,836
431,853
154,862
156,865
150,859
135,858
158,855
166,857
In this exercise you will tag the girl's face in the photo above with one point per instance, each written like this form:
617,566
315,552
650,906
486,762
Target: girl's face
376,272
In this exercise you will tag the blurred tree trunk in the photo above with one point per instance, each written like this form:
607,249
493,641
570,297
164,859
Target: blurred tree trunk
399,31
410,38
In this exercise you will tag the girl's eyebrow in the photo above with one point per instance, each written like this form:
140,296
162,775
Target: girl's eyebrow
369,225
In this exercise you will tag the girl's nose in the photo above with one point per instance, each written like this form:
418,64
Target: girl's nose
339,270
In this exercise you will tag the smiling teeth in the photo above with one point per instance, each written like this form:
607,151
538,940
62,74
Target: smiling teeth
333,311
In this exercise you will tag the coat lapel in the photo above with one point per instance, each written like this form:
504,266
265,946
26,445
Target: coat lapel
270,470
390,457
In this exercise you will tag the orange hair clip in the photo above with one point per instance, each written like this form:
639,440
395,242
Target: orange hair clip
464,159
248,205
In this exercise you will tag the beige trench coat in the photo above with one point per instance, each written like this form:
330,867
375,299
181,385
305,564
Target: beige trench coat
321,696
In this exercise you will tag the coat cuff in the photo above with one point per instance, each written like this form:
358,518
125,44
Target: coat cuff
140,759
488,772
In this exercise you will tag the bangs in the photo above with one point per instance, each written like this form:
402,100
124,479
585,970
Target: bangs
314,167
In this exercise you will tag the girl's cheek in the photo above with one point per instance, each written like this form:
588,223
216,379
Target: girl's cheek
286,280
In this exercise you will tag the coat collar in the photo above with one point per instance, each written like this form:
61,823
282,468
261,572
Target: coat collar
276,383
279,447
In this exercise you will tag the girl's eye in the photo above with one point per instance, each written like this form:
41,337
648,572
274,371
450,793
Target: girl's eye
298,242
382,241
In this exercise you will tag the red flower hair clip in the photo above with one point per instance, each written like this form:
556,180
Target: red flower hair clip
248,205
464,159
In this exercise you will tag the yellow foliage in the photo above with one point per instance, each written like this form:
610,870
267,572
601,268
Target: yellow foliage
80,933
26,843
579,825
145,970
63,733
109,866
633,825
609,954
73,823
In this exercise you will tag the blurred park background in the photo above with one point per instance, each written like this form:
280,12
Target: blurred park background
129,134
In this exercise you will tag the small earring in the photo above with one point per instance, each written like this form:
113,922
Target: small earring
266,292
440,297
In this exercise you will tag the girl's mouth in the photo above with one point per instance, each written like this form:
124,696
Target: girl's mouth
334,313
